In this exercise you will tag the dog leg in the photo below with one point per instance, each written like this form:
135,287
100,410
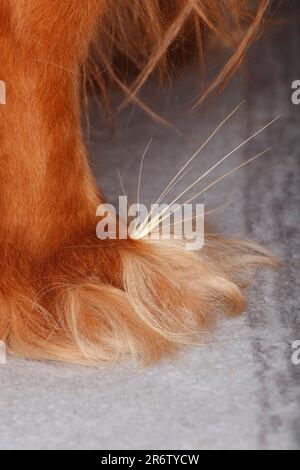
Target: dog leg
64,294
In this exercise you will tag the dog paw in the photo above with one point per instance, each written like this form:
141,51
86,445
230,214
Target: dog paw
96,301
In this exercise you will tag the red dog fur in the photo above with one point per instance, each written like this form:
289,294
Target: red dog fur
65,295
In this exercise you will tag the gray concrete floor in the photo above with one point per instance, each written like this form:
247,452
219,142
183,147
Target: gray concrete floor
240,389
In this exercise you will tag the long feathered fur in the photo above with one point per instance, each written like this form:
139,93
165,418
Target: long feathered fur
136,39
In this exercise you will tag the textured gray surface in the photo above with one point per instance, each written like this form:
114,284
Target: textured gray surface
239,389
